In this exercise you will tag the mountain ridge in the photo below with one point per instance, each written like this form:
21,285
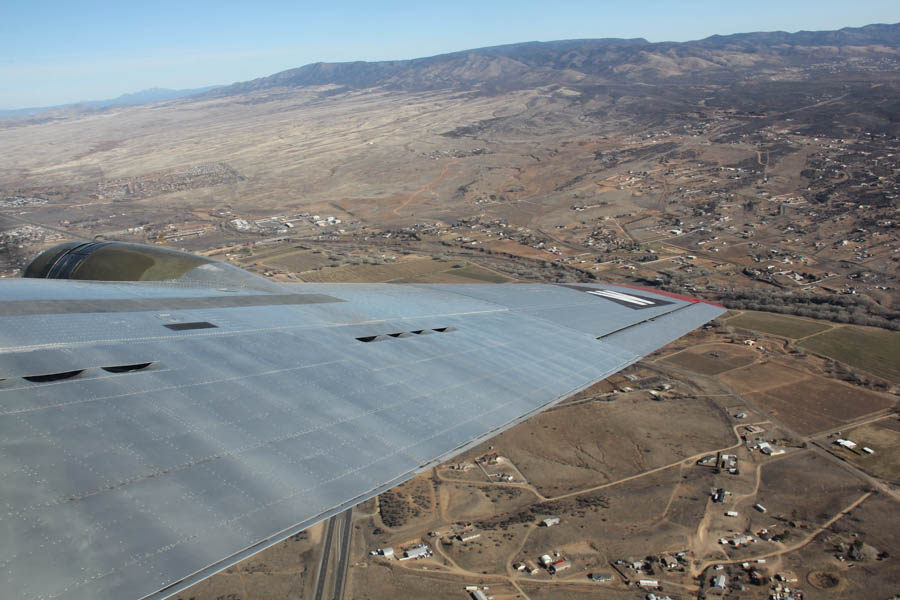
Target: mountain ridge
602,60
496,69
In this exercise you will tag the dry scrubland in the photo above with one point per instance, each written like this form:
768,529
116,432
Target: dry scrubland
574,447
873,522
884,435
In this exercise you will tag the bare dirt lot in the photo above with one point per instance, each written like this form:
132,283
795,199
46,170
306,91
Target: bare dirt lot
384,580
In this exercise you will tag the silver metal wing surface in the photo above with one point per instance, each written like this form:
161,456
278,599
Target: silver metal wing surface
152,434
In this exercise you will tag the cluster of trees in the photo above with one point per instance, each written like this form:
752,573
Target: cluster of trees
578,507
394,509
527,515
397,507
840,308
845,308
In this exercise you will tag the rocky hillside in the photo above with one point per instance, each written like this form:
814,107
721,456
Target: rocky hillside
723,59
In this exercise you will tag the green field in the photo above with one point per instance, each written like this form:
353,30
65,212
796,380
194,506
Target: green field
468,274
874,350
376,273
783,325
480,274
424,270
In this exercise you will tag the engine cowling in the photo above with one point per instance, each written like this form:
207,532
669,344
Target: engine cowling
121,261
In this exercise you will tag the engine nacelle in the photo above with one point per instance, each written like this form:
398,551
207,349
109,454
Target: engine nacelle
121,261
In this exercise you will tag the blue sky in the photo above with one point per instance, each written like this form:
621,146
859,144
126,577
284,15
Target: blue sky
55,52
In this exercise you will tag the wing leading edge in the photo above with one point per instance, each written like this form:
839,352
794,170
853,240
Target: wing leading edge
213,442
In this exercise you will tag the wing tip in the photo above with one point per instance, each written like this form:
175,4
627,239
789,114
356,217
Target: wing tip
681,297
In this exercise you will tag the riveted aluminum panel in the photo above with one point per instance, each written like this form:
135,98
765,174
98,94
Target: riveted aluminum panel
123,485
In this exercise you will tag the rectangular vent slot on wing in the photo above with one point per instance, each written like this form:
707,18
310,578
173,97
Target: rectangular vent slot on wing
53,376
404,334
127,368
189,326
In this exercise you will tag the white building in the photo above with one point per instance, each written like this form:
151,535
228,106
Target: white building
420,551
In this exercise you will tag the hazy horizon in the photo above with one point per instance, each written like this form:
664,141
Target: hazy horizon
58,53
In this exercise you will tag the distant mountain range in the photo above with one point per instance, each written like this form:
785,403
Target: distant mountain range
143,97
602,61
717,59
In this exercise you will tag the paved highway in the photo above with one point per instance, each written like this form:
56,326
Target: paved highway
343,523
326,552
343,558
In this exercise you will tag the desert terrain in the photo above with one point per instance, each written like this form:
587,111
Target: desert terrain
758,171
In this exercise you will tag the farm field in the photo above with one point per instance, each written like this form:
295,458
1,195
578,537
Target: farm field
874,350
761,376
295,262
376,273
816,404
713,359
468,274
775,324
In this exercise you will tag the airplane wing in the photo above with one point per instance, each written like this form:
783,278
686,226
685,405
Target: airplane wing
152,434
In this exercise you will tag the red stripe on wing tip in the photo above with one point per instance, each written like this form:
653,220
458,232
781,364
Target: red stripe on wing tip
669,294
